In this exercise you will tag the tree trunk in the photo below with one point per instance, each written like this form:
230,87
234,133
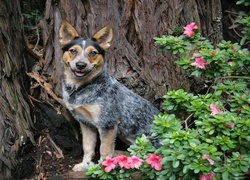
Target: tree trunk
16,122
133,58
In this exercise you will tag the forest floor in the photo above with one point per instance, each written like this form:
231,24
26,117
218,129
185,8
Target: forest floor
46,160
55,150
50,163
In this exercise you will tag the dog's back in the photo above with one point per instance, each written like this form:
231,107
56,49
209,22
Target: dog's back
136,112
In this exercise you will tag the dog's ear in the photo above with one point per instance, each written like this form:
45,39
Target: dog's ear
104,36
67,32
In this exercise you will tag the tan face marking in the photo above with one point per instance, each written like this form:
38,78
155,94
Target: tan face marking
90,53
72,53
93,56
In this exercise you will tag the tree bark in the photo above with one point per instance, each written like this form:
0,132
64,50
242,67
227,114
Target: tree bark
16,122
133,58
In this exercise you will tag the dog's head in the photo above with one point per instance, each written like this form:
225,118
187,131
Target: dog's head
83,58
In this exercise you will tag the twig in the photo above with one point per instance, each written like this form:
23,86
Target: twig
38,38
186,120
59,151
42,82
34,99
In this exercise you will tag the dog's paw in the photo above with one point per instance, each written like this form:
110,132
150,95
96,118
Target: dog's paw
80,166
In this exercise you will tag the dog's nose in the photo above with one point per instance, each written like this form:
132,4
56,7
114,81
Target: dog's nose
81,65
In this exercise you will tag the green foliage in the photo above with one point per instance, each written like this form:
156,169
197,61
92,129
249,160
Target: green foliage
32,17
141,148
244,21
225,136
244,2
97,172
203,136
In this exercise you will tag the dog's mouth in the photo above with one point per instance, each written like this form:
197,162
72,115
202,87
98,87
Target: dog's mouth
79,74
82,74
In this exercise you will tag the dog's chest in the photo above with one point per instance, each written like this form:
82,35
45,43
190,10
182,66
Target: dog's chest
82,106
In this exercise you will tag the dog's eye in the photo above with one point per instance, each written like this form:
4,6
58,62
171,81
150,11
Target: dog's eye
73,51
93,53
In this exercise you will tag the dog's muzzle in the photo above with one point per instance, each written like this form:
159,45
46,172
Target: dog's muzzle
80,70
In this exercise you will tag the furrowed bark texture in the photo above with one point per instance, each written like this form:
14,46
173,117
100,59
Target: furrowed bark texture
133,58
15,119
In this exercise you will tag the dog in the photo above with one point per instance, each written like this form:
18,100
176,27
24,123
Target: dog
101,104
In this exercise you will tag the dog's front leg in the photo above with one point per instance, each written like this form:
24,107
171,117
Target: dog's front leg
107,138
89,137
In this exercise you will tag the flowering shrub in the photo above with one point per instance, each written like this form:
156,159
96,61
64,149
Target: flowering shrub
215,139
123,167
204,136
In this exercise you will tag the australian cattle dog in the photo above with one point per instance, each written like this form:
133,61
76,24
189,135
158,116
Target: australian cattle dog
101,104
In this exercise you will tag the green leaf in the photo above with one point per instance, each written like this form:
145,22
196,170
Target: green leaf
172,177
209,140
175,163
191,153
196,171
177,143
168,158
219,169
167,151
211,132
185,169
196,73
225,175
181,156
248,138
244,168
198,123
243,40
98,172
217,93
192,144
175,51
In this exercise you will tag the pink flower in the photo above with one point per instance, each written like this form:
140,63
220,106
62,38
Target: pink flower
206,157
207,176
189,29
123,161
109,164
200,63
235,49
230,63
214,110
229,126
155,162
129,162
135,162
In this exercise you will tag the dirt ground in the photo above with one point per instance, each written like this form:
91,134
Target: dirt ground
46,161
56,149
